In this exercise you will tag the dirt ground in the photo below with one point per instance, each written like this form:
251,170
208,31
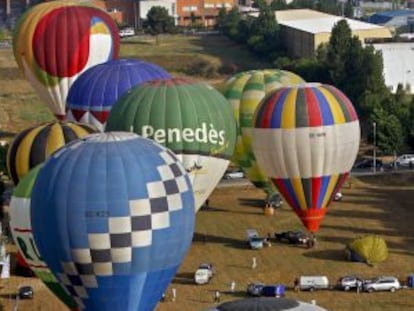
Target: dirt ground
373,205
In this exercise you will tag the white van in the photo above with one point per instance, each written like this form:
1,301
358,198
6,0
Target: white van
313,282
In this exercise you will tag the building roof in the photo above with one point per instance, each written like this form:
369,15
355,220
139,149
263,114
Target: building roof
317,22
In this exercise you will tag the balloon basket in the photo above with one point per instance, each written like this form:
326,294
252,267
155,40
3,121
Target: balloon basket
269,211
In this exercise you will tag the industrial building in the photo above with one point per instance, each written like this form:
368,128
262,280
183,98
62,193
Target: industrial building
303,30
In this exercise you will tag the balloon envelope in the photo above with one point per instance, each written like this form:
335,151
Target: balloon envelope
113,217
93,94
191,118
56,41
34,145
306,138
244,91
20,224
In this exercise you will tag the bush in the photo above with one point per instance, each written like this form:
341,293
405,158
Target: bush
201,68
228,69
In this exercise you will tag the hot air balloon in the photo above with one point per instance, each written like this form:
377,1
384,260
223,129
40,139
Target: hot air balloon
244,91
306,139
113,216
33,145
191,118
56,41
93,94
21,228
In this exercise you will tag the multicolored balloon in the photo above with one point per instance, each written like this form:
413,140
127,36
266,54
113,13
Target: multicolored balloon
113,217
21,228
244,91
191,118
306,139
56,41
35,144
93,94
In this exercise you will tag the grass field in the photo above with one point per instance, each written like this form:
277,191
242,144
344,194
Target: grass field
374,205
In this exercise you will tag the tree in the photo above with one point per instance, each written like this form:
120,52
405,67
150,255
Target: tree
158,21
337,47
264,34
227,22
389,132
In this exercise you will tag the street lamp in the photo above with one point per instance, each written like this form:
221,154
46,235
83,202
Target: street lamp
375,146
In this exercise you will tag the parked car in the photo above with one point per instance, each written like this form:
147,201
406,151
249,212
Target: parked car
25,292
348,282
274,200
127,32
255,288
254,240
204,273
338,196
382,283
313,282
292,237
233,175
276,290
404,160
369,163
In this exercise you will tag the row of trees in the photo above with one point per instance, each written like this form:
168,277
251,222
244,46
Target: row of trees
344,62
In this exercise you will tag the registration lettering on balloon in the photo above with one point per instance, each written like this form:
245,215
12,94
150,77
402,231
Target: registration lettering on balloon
96,214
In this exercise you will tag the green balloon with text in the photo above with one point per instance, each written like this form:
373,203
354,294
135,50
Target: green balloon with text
191,118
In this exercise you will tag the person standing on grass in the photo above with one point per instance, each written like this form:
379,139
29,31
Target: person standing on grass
174,294
232,286
254,263
217,296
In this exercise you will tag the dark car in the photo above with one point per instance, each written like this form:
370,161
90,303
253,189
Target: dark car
255,289
292,237
274,200
368,163
25,292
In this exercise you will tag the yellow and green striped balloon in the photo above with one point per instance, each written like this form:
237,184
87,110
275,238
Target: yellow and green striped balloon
245,91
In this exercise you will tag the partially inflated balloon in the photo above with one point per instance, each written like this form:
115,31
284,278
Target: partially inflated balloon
94,93
245,91
34,145
113,217
306,139
191,118
56,41
21,228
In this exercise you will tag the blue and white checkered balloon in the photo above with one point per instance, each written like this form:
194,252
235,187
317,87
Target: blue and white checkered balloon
113,217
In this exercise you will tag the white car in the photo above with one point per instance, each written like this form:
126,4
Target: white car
382,283
204,273
126,32
405,160
233,175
